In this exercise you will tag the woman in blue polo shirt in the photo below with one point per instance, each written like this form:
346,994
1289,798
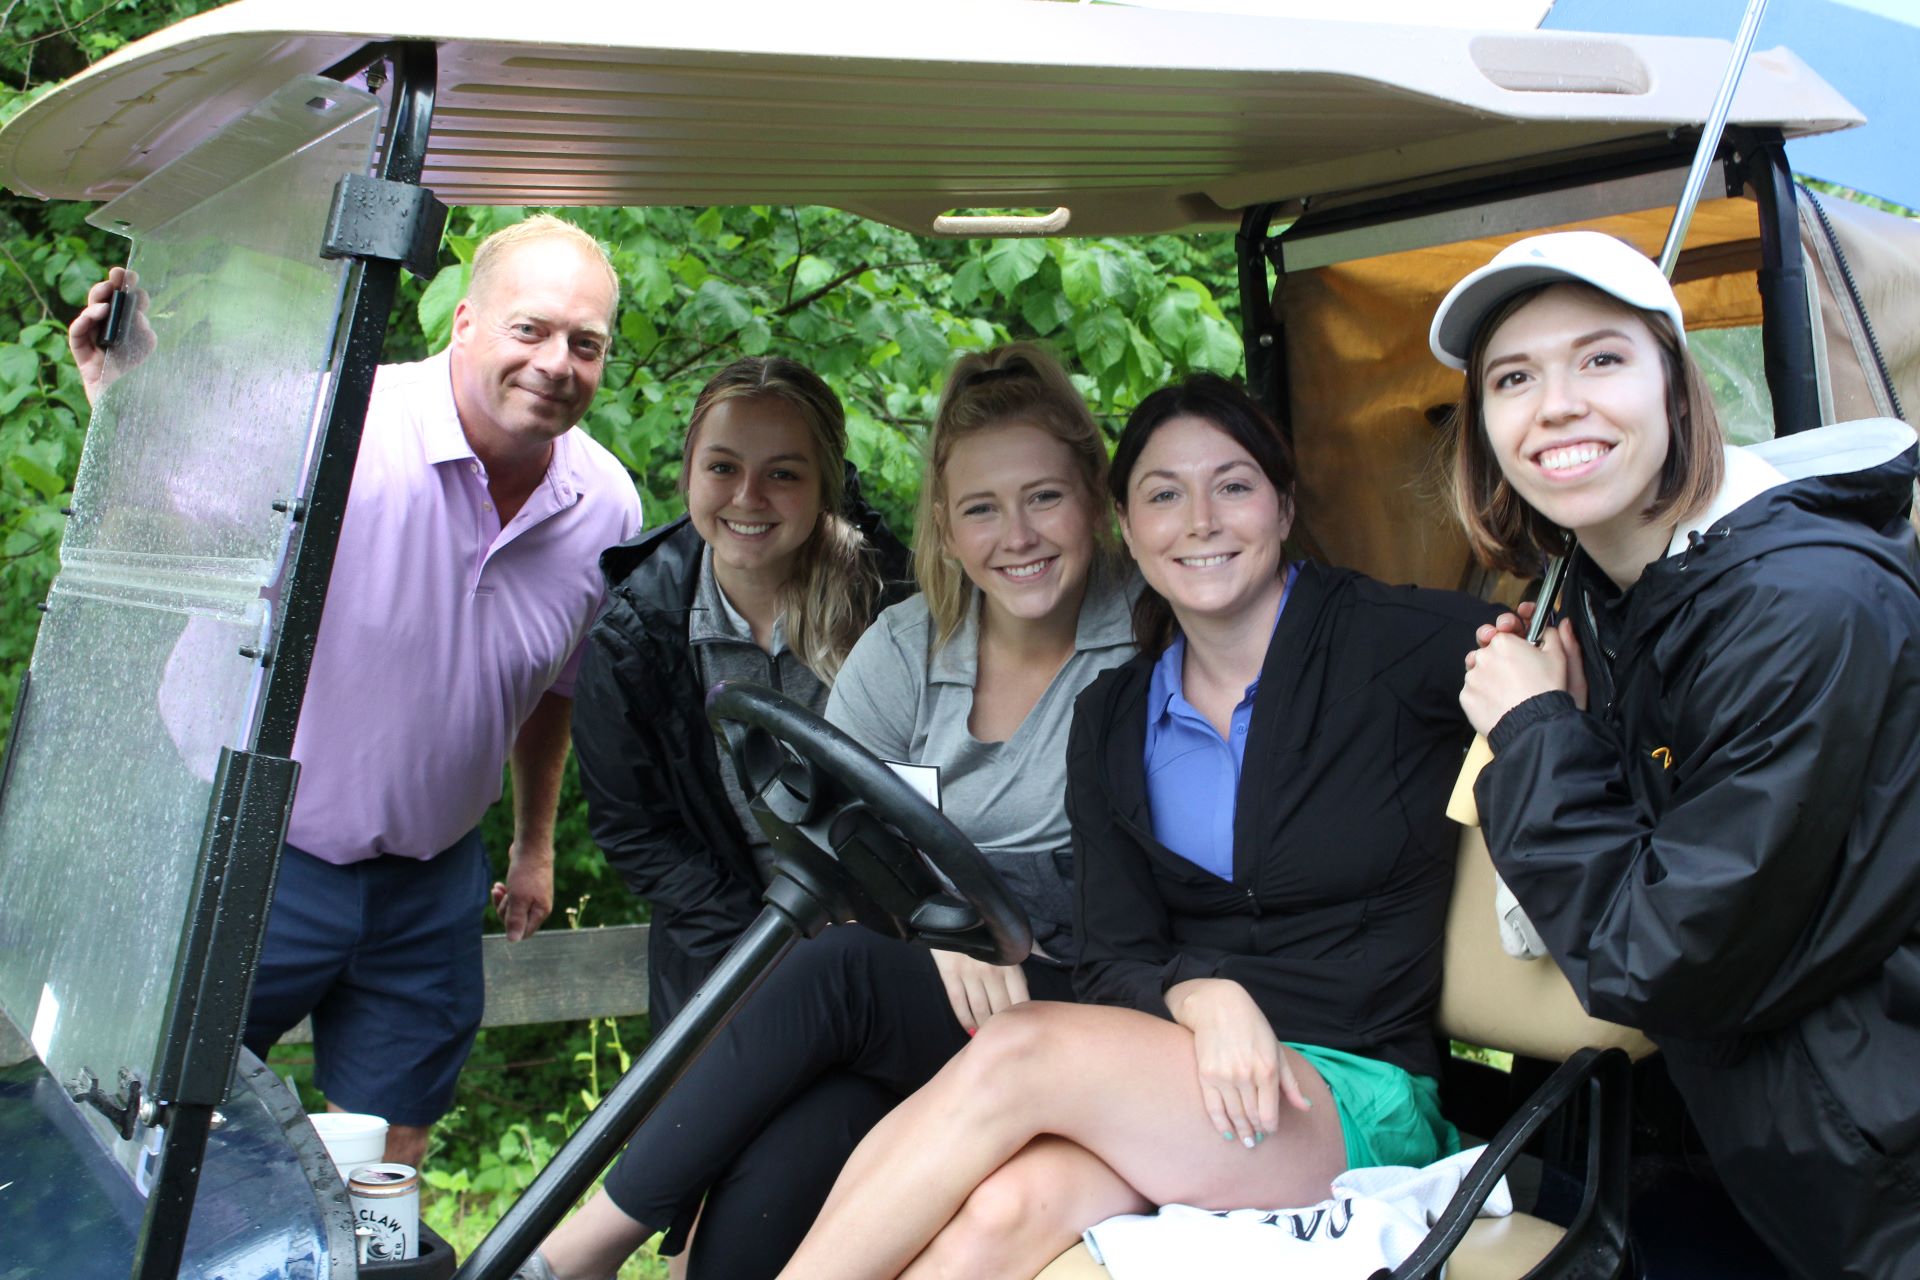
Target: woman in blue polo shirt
1262,872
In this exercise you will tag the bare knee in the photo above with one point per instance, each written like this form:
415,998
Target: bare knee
1009,1062
1009,1226
1009,1202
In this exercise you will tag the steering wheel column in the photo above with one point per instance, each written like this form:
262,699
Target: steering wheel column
853,843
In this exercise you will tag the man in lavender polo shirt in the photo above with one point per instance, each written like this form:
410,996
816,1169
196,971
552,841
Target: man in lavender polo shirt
466,577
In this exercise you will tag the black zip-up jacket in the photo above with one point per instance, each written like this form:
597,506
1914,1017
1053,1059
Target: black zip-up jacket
648,765
1725,850
1342,858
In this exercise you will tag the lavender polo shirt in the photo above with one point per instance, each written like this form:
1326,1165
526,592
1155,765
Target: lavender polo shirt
442,629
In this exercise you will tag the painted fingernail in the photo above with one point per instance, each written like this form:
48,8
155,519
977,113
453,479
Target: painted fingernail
1227,1134
1259,1136
1247,1143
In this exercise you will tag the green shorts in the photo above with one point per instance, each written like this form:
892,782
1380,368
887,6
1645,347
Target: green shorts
1387,1115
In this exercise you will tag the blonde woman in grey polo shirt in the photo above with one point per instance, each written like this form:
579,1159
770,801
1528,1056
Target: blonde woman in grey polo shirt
1024,602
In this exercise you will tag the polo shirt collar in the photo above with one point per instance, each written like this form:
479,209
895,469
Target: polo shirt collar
1106,620
958,660
443,440
1167,682
714,618
440,433
1106,615
1169,669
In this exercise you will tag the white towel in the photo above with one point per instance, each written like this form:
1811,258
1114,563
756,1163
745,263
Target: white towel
1374,1218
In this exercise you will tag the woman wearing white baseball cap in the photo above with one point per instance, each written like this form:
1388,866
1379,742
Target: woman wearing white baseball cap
1706,780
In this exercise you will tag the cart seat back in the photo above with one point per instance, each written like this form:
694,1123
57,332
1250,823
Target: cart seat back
1489,998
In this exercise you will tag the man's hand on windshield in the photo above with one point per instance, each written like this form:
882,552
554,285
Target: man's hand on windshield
978,990
83,335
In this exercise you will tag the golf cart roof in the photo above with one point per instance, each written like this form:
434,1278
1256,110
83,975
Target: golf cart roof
1136,121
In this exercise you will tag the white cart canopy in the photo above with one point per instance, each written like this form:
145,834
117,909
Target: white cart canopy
1134,120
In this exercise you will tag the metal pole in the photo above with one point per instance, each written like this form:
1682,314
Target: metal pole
1787,331
599,1138
369,300
1710,138
1266,359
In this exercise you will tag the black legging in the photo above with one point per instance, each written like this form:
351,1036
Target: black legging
846,1026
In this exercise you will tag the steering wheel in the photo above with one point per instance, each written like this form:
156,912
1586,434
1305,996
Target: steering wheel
856,838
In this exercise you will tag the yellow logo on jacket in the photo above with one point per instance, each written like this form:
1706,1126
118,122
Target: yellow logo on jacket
1664,755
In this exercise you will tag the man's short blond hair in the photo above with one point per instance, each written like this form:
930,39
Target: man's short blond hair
541,226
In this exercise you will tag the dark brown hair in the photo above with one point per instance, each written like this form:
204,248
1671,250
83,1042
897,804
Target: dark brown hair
1214,400
1503,531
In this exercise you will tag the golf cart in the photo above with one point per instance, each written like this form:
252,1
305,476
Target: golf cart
275,180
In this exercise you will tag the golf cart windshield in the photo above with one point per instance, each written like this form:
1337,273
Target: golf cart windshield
156,634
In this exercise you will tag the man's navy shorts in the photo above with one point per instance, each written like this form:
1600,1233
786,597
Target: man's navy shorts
384,955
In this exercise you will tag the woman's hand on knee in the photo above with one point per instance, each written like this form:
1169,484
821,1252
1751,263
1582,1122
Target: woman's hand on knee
978,990
1244,1074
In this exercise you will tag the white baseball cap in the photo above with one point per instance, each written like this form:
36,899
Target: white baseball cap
1612,266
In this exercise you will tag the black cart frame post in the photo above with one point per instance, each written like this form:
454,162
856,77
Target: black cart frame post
253,793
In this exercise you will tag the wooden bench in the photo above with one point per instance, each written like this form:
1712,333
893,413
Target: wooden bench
557,975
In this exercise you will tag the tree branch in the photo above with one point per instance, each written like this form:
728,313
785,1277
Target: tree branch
806,300
799,251
46,312
798,304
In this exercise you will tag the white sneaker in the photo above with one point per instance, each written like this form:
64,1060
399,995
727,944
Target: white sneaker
534,1268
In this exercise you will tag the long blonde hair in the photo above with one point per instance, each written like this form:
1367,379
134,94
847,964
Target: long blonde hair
1019,384
830,597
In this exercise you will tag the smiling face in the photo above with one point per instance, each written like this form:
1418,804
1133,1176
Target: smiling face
753,486
1205,524
529,349
1020,521
1573,391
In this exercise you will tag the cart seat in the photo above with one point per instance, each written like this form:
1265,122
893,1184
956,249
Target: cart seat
1487,998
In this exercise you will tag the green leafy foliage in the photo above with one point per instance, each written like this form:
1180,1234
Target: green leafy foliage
42,422
878,312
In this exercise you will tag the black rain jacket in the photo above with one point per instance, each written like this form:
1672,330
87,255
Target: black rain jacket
648,765
1342,858
1725,851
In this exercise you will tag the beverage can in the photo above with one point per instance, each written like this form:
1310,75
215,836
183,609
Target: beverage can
386,1211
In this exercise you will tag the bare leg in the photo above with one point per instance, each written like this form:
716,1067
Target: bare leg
1025,1213
1117,1082
593,1243
406,1143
